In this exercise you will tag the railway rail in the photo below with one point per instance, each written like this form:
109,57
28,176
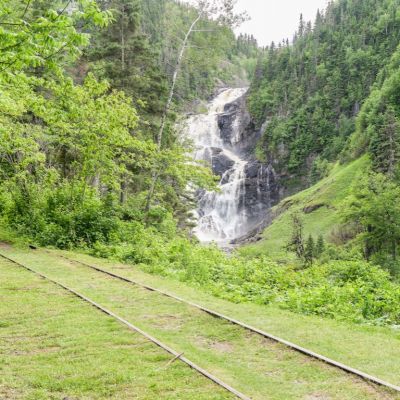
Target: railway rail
177,355
250,328
355,372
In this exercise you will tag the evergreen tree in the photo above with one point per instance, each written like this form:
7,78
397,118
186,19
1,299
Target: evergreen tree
310,92
296,242
124,56
385,144
302,26
309,251
375,207
320,246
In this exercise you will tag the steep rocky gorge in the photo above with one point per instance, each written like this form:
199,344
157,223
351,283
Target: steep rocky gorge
226,137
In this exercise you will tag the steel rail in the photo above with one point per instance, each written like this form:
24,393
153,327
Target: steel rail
176,354
250,328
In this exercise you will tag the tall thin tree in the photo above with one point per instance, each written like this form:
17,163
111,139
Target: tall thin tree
223,11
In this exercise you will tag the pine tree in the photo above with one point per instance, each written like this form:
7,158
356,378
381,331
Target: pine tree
320,246
302,26
309,251
296,242
122,54
385,144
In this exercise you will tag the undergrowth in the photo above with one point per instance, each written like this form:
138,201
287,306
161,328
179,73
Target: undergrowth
355,291
346,289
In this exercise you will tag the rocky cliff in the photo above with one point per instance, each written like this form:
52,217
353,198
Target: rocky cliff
261,188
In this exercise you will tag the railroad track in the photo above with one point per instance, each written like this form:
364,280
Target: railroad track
250,328
176,354
304,351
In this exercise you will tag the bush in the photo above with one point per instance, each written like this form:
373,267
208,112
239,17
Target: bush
355,291
66,216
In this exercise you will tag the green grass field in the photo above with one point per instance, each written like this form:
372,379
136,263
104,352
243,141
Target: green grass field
54,346
355,345
257,367
327,196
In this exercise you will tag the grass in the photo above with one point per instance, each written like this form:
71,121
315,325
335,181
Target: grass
355,345
327,196
257,367
54,346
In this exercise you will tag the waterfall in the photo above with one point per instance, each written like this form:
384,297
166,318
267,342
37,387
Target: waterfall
222,215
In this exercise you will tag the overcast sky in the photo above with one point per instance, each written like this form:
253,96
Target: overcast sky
273,20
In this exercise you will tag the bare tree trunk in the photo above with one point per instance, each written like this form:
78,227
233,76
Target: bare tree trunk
122,193
152,189
174,79
122,39
171,94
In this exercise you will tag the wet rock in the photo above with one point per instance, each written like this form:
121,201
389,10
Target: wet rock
221,163
236,127
249,188
261,189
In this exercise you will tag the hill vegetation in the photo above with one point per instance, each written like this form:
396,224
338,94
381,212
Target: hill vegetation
333,96
311,91
320,208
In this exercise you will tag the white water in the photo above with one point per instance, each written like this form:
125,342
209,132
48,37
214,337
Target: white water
222,216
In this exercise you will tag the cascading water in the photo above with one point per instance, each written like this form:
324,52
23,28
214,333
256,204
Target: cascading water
222,216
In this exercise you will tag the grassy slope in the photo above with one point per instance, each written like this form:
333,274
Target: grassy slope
54,346
329,192
272,375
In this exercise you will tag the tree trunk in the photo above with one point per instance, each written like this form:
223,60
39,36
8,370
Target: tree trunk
171,94
122,39
150,195
174,79
122,193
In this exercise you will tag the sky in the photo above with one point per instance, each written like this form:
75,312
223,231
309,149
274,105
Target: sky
273,20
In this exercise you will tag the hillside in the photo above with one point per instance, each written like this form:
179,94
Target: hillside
332,96
320,208
311,91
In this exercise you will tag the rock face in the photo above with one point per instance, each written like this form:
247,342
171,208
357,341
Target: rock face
236,127
221,163
261,189
226,137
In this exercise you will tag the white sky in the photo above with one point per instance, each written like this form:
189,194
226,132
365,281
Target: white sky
273,20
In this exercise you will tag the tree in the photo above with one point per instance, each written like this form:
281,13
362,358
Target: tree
223,12
320,246
375,207
122,54
302,25
296,242
35,36
385,144
309,252
315,87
